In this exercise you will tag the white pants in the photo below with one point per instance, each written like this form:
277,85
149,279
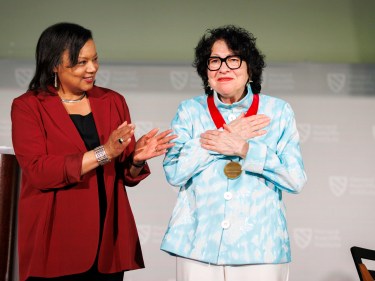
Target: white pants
191,270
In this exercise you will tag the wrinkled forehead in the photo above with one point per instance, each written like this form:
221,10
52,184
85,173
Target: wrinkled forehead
220,46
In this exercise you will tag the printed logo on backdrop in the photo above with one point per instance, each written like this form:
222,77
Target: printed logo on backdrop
319,238
302,237
338,185
360,186
304,131
280,81
179,79
336,81
363,186
325,133
150,233
124,79
327,238
143,127
185,79
23,76
102,78
362,82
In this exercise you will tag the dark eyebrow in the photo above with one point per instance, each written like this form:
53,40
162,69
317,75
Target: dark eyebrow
80,57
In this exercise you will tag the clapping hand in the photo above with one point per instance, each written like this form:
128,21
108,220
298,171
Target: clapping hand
152,144
119,139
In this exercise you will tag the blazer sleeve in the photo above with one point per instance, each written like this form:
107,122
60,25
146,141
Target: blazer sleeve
186,158
284,166
42,170
126,158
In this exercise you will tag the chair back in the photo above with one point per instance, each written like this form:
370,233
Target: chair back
358,254
9,171
366,276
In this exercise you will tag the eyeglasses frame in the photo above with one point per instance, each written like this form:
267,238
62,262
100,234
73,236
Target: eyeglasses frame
224,60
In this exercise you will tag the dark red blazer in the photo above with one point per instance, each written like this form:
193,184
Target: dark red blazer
58,224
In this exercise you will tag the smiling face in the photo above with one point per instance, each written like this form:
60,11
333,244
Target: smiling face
229,84
75,80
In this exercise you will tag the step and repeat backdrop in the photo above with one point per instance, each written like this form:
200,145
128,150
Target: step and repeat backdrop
335,113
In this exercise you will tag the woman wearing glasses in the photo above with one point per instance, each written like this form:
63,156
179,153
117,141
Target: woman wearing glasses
237,150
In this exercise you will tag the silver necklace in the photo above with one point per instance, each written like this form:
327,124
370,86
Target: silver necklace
77,100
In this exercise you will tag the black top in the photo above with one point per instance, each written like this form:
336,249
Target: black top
85,125
87,129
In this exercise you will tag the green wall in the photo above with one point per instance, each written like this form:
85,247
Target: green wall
166,31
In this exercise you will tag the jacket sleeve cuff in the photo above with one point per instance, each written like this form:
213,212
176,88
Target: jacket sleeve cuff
255,157
73,168
144,173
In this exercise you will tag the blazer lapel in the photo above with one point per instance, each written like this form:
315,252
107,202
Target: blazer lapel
55,110
101,108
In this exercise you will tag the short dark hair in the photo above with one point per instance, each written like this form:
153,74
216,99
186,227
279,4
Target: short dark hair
51,45
241,42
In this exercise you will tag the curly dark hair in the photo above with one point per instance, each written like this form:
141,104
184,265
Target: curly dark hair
241,42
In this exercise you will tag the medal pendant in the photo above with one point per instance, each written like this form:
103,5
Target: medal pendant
232,170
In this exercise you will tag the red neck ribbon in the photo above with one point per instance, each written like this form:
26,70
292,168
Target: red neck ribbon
218,118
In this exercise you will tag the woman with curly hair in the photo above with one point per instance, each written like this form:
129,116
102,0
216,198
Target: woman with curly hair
237,150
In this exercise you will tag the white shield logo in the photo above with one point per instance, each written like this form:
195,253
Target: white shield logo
302,237
179,79
338,185
143,127
336,81
304,131
144,232
102,78
23,76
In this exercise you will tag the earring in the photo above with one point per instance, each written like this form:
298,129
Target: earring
55,80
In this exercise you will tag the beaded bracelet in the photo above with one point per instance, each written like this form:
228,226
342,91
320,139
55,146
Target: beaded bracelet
101,155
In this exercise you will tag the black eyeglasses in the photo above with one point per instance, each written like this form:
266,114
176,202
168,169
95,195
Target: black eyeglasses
233,62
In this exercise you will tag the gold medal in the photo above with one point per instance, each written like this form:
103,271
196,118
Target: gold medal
232,170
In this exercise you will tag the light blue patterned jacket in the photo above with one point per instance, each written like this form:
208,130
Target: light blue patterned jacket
232,221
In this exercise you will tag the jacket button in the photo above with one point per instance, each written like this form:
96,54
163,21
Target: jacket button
228,196
231,117
225,224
